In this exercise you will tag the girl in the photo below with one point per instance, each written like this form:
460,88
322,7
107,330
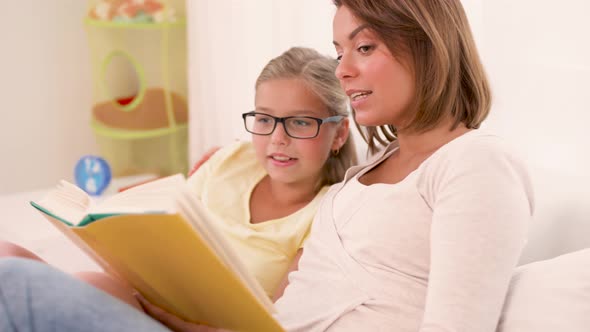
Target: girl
265,193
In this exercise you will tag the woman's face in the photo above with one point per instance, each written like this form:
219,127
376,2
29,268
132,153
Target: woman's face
291,160
381,88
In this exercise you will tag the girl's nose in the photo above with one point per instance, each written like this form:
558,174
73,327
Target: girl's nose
279,136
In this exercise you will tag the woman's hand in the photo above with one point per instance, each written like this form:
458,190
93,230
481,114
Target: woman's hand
171,321
203,159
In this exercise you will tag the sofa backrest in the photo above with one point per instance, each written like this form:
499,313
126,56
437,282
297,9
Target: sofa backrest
562,213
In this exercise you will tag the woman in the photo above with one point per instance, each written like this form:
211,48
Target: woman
426,235
441,216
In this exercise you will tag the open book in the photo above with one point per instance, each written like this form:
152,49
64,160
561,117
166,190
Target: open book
159,238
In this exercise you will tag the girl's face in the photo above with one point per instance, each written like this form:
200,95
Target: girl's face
379,86
286,159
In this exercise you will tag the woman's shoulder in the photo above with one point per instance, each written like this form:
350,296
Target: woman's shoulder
476,145
477,161
477,154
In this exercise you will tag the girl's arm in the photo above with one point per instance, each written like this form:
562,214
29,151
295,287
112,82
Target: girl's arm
285,281
9,249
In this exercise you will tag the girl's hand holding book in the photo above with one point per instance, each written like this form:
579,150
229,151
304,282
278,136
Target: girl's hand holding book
171,321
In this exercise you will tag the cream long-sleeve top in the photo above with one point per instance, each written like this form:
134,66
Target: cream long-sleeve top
434,252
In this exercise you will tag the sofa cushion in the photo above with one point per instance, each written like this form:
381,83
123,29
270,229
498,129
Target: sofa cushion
551,295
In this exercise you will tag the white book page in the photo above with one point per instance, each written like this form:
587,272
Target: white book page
193,210
157,196
67,202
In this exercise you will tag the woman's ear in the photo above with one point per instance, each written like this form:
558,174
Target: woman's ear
341,134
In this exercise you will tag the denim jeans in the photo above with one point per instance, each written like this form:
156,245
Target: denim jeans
36,297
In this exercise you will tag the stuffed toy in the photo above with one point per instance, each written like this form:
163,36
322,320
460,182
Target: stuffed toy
133,11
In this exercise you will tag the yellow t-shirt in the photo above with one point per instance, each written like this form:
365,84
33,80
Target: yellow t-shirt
224,184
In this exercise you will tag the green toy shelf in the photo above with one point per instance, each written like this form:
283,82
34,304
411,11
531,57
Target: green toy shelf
140,109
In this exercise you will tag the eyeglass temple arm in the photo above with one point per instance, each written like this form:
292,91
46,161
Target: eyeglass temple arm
334,118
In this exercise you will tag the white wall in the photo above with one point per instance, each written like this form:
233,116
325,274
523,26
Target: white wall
538,56
45,88
229,43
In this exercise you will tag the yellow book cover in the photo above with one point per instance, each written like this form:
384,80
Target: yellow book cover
158,237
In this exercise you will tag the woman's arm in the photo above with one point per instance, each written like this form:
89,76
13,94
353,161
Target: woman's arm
482,208
285,281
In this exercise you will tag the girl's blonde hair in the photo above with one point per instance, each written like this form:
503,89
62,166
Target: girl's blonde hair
318,72
435,37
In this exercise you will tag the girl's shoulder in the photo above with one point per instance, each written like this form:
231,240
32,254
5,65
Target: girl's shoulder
239,151
233,161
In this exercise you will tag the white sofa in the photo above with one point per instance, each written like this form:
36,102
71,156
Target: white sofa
22,224
562,214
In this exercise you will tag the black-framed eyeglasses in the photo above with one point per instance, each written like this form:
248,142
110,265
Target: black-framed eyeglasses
295,126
